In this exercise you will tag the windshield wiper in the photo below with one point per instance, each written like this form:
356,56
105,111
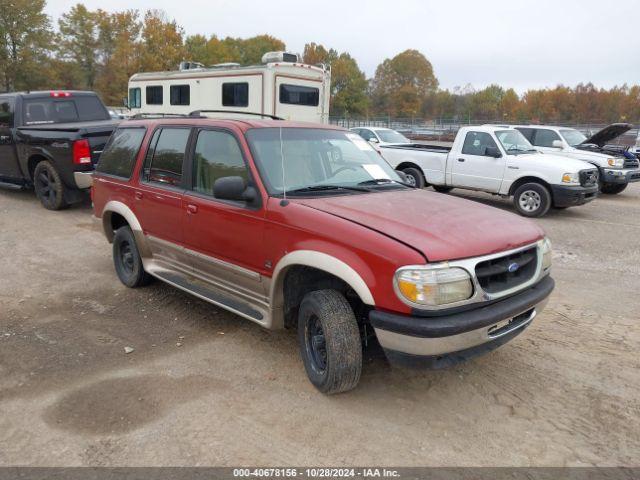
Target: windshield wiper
325,188
382,181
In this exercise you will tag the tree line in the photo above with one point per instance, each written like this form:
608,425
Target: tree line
100,50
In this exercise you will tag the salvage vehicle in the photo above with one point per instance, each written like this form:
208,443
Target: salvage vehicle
305,226
281,86
500,161
618,165
51,141
381,136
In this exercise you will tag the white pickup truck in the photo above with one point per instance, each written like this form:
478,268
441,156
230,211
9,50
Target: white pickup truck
617,165
501,161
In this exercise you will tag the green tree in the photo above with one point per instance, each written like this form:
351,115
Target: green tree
401,84
25,43
161,44
79,41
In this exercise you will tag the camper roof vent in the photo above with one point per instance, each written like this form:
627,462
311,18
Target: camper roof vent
190,66
225,65
273,57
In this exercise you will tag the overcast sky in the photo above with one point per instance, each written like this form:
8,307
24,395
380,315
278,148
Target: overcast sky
515,43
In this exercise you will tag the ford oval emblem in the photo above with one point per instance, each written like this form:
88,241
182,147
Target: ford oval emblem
513,267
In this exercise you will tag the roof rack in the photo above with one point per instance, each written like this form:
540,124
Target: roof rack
156,115
198,113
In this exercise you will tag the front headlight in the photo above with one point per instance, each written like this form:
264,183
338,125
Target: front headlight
617,162
433,285
546,254
570,178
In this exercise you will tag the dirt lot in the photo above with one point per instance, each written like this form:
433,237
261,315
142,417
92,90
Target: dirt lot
203,387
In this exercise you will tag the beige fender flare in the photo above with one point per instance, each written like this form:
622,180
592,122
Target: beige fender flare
321,261
120,208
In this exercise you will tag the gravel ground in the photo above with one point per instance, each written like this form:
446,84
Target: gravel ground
203,387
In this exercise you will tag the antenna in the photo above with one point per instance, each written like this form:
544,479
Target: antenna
284,201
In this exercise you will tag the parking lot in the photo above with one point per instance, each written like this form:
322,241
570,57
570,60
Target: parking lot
203,387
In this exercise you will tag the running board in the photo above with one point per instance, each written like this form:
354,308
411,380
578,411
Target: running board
209,295
12,186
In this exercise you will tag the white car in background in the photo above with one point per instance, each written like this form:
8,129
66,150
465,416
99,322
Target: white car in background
381,136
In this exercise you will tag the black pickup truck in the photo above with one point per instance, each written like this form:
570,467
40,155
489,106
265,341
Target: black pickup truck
51,141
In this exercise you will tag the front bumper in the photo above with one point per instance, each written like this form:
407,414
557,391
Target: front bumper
442,341
628,175
83,180
569,196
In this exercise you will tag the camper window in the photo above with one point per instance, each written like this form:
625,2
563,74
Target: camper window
179,94
299,95
134,98
235,94
154,95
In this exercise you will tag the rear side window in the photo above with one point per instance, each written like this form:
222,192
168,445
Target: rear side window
476,143
235,94
180,94
299,95
154,95
120,153
165,164
217,155
6,112
135,98
545,138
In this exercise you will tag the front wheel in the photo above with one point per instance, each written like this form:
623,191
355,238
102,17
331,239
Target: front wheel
532,200
613,188
414,177
127,261
48,186
329,341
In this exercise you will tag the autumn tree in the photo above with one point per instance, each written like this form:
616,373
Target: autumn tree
161,43
25,43
402,84
79,41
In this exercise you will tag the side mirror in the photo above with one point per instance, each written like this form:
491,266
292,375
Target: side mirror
374,140
233,188
492,152
557,144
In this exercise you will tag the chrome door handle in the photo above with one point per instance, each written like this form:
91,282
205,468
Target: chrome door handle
191,208
139,195
461,159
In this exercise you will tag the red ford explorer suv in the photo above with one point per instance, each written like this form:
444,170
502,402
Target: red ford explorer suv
305,226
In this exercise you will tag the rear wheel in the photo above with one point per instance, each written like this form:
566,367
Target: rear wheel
613,188
48,186
127,261
329,341
414,177
532,200
441,189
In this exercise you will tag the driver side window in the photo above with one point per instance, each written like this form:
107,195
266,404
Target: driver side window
476,143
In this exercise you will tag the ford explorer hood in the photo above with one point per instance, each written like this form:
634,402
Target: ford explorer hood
441,227
607,134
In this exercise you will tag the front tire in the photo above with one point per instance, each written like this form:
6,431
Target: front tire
532,200
127,260
414,177
613,188
48,186
329,341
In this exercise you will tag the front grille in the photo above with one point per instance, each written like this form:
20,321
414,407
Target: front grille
503,273
588,178
631,163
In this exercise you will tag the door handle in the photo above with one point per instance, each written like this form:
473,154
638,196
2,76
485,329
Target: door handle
191,208
461,159
139,195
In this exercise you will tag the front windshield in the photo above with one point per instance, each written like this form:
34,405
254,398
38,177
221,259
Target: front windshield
514,142
317,159
573,137
391,136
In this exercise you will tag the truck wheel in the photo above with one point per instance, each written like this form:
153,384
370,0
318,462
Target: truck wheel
613,188
48,186
441,189
329,341
127,261
532,200
414,177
